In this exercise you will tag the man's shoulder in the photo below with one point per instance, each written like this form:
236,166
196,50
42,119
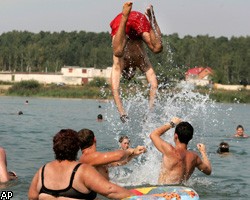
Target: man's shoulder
85,157
192,153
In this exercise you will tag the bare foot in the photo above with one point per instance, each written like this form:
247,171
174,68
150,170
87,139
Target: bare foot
127,8
150,12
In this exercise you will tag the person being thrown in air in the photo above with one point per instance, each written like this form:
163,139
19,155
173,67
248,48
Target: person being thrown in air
130,30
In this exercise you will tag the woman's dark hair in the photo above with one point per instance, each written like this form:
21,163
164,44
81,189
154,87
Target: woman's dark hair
66,145
185,131
86,138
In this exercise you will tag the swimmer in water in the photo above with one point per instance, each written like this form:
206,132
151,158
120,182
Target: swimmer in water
102,160
240,132
223,148
5,176
20,113
99,118
130,30
124,142
125,145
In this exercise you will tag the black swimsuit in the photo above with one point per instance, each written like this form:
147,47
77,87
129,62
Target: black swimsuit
69,192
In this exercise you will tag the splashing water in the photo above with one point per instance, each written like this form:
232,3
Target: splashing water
182,102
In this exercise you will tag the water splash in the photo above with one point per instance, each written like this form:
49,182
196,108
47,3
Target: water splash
180,101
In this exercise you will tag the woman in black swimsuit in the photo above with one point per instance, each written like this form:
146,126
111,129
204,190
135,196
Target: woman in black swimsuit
65,177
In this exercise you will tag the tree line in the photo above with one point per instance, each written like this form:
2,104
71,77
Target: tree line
23,51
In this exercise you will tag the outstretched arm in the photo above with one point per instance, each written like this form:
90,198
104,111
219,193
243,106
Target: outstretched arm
159,143
115,84
135,152
96,182
100,158
203,164
155,136
152,79
4,174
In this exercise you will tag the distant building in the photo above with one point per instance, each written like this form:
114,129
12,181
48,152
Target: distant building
84,75
199,75
70,75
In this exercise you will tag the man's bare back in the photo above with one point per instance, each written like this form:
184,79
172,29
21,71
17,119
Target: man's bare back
178,163
177,167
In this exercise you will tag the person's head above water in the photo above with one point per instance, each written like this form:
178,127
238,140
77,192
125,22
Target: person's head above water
66,145
223,148
124,142
86,138
240,130
99,117
185,132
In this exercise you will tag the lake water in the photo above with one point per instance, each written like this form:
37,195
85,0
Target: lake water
27,138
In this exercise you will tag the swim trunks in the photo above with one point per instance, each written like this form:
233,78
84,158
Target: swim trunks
136,25
69,191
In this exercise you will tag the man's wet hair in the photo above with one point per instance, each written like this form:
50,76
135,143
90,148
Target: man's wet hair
223,148
86,138
185,132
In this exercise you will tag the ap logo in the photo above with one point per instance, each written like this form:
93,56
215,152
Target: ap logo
6,195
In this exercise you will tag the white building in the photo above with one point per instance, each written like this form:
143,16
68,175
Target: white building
70,75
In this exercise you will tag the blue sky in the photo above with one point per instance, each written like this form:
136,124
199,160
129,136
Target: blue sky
185,17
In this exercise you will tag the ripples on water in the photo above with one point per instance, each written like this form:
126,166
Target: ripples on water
28,138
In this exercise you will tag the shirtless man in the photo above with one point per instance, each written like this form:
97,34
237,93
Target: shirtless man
130,30
102,160
178,163
4,174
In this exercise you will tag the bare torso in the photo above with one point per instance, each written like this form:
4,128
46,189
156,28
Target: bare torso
135,56
178,167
